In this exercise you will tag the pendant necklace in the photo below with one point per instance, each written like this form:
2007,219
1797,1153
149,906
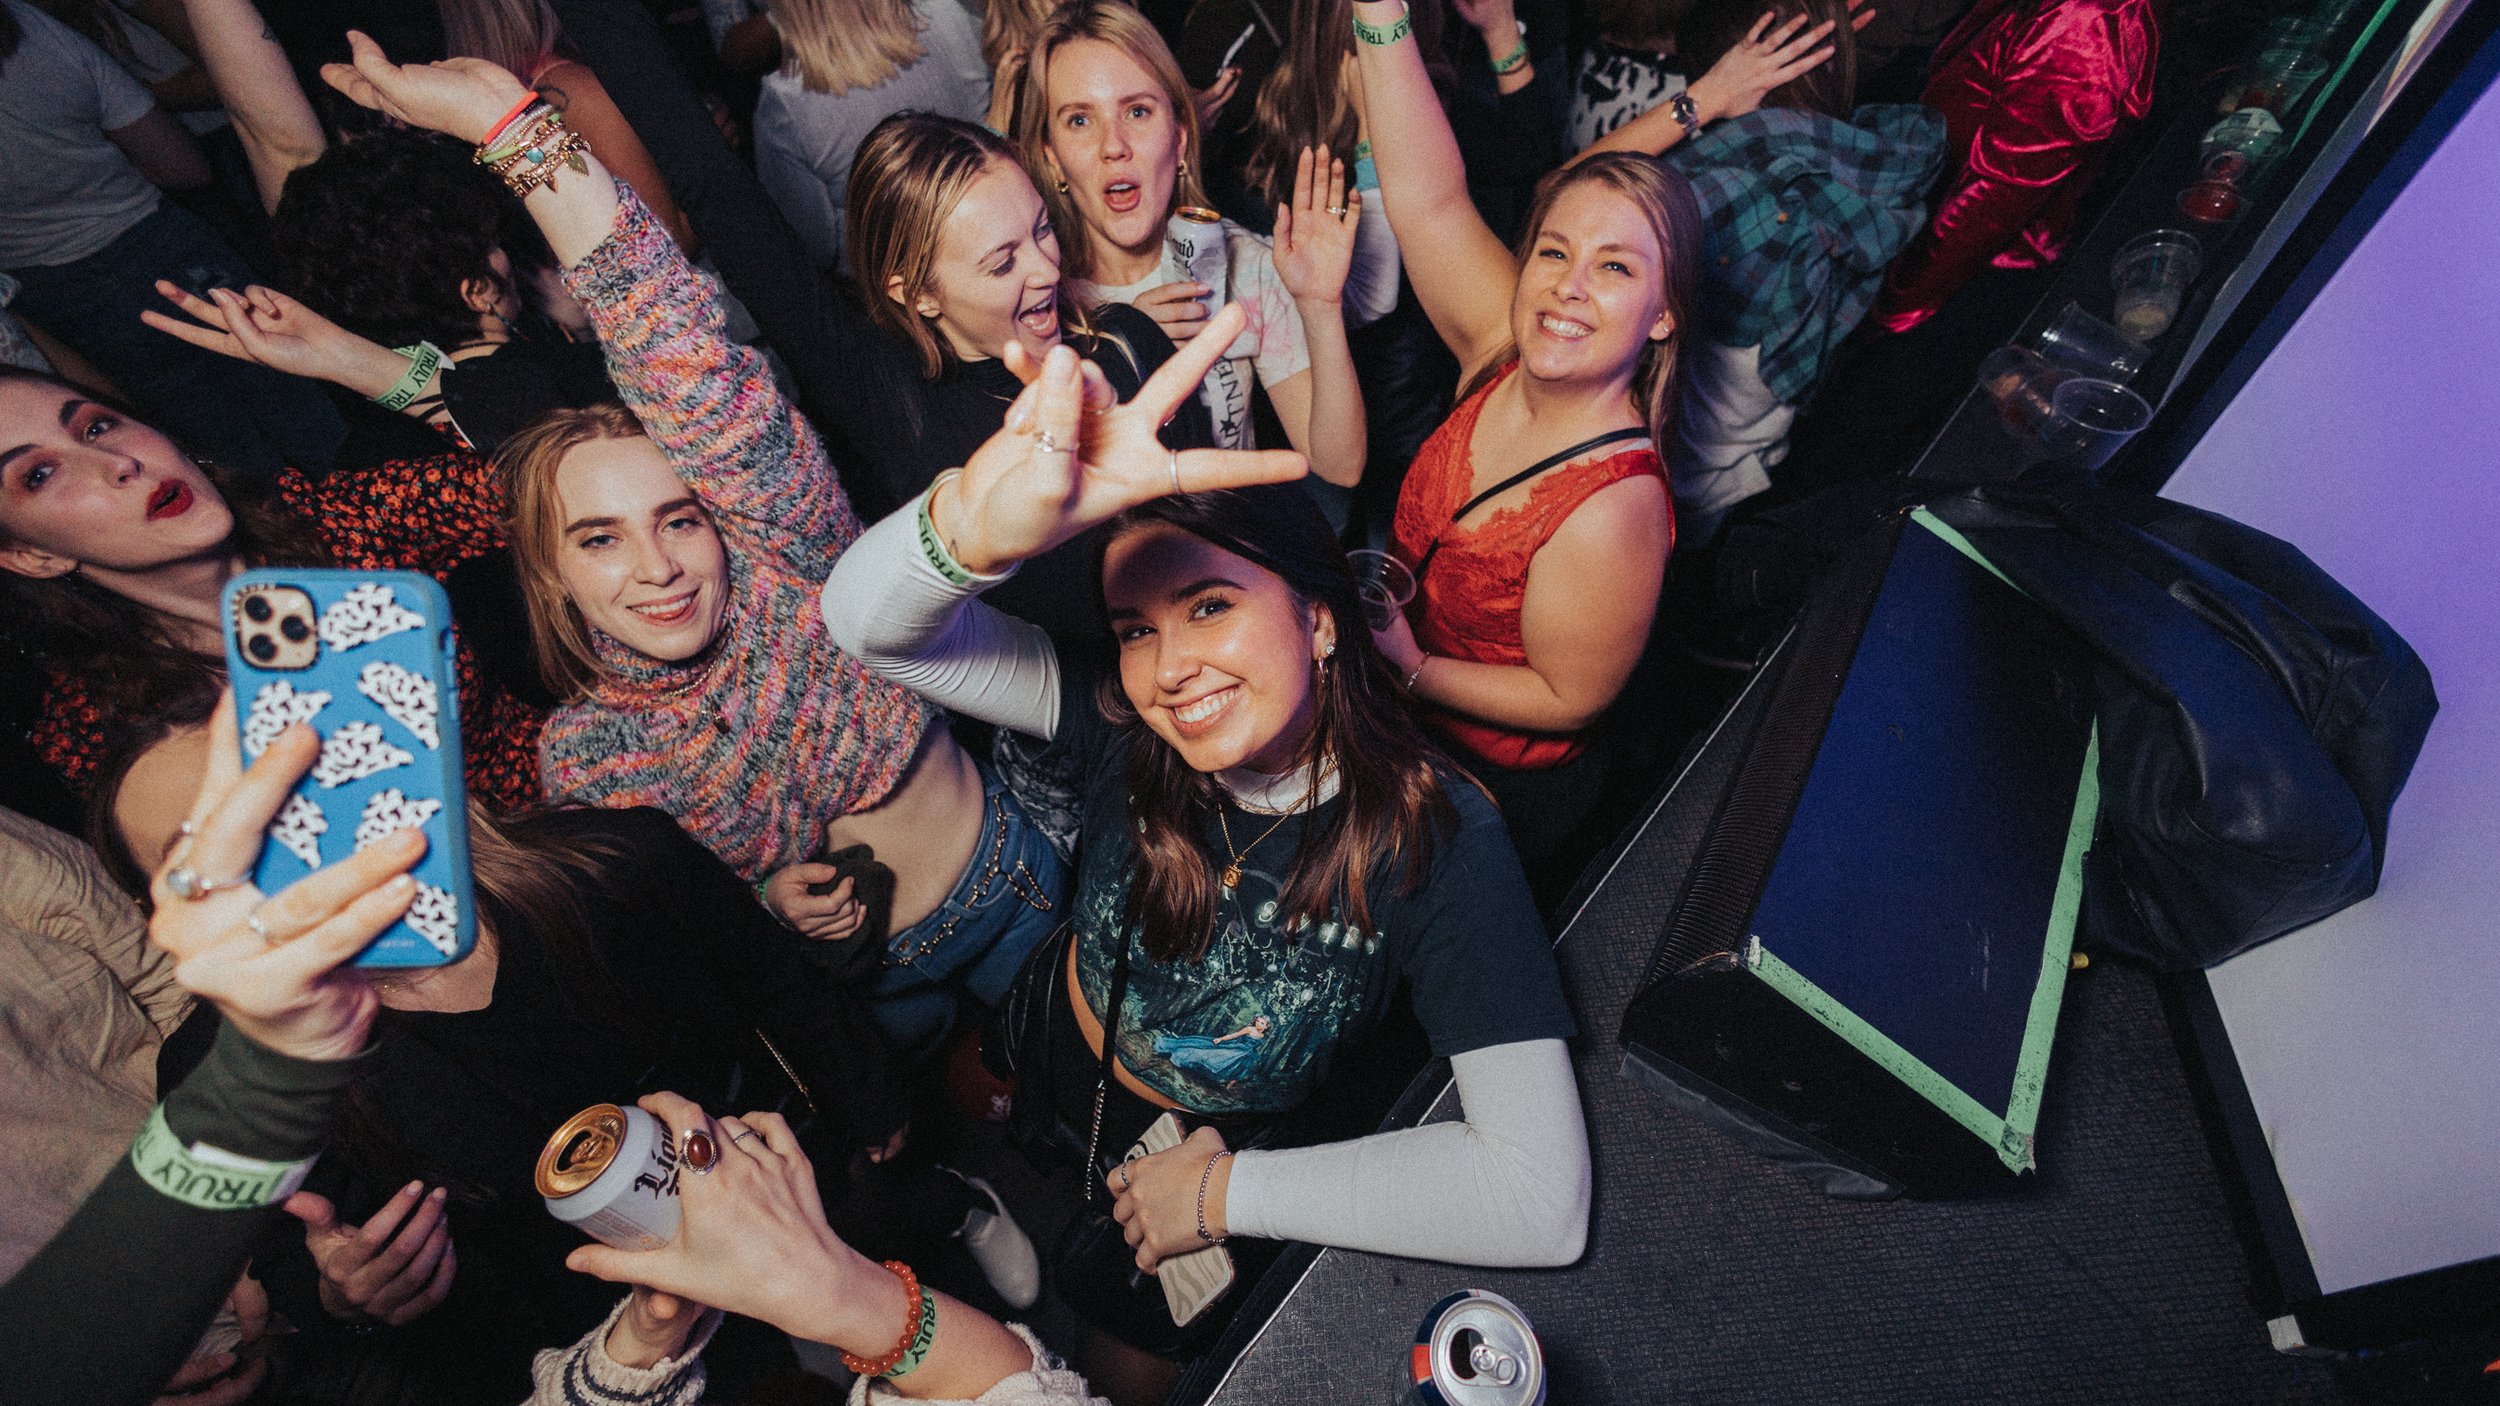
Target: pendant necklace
1231,877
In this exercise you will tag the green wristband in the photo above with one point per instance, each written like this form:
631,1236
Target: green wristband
424,359
1513,61
1382,36
210,1178
912,1356
932,548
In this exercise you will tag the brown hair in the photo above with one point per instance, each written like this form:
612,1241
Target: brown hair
1666,202
518,36
1123,28
1830,88
911,172
528,461
1393,782
143,675
834,46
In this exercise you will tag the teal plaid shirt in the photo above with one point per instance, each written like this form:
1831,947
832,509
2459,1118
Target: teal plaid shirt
1801,213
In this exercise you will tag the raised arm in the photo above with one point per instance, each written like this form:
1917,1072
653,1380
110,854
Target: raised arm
710,404
1734,86
1466,279
271,115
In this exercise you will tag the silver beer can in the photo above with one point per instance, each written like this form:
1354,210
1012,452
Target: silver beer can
1475,1348
1193,244
611,1173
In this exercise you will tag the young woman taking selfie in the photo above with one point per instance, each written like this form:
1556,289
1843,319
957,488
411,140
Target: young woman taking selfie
1269,850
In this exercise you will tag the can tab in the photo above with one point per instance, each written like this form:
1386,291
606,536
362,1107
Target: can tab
1490,1361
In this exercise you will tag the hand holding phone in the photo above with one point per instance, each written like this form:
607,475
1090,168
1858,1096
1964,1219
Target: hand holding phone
1192,1282
364,658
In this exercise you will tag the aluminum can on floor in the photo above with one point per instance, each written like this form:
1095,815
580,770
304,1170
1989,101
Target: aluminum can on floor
1194,239
1475,1348
611,1173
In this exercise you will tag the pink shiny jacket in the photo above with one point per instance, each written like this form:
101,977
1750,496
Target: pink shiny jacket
2032,92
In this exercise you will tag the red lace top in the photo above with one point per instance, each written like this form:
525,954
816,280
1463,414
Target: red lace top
1468,605
430,515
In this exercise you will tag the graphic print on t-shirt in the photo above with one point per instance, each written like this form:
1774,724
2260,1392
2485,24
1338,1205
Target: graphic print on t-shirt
1256,1025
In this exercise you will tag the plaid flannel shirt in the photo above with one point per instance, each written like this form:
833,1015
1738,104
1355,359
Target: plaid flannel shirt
1801,212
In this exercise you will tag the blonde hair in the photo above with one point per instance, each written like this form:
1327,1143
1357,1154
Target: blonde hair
1666,203
1009,25
559,637
1124,29
834,46
911,172
518,36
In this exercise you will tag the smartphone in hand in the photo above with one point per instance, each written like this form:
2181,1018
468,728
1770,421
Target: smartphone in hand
365,659
1194,1281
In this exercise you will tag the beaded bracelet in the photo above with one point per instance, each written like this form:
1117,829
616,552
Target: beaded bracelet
524,105
520,136
1205,1177
913,1345
424,359
1382,36
1513,61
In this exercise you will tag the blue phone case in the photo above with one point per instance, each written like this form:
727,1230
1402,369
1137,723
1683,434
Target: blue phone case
364,657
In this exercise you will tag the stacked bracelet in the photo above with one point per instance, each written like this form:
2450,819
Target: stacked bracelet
1513,61
918,1333
1382,35
424,359
1204,1177
527,150
1418,672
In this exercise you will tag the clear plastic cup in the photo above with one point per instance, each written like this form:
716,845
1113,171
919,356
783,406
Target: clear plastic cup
2089,420
2081,342
2234,146
1384,583
2021,382
2151,274
2276,80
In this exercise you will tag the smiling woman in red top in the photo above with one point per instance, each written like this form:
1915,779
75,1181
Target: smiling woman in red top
1537,518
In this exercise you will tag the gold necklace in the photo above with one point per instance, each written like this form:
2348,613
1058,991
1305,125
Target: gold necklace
1231,877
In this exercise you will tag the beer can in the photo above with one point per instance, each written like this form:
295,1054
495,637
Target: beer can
1194,246
611,1173
1475,1348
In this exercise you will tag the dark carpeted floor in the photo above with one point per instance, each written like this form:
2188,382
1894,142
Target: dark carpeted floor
2111,1276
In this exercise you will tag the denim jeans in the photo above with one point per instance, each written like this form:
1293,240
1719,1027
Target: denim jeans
1009,897
243,416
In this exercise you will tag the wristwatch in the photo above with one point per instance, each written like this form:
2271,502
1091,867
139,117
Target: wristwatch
1680,107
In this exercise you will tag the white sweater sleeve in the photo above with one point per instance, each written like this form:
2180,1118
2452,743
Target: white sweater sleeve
1507,1187
887,607
1371,284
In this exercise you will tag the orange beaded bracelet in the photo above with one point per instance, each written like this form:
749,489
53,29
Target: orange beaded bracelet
878,1367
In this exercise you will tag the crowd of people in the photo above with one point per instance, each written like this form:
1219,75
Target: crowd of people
894,467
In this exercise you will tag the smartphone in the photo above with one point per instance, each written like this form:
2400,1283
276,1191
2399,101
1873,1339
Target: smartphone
364,658
1194,1281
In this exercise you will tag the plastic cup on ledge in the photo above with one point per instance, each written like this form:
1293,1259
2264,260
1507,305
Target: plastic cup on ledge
2275,81
2234,146
2021,382
2151,275
2089,420
1384,584
2081,342
2212,202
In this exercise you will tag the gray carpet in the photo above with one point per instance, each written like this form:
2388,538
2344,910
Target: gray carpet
2110,1276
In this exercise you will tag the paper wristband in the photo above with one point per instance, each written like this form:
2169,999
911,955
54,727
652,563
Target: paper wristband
1382,36
210,1178
918,1352
424,359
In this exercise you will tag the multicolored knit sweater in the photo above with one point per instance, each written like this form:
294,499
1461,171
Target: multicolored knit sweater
757,742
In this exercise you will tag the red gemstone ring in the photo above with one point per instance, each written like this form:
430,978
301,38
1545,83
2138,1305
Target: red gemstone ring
699,1152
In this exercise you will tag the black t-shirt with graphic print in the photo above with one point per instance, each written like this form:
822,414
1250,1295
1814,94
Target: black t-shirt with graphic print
1254,1026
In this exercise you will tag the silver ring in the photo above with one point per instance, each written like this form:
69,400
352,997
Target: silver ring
259,929
1337,210
1173,461
186,883
1125,1180
744,1132
1052,446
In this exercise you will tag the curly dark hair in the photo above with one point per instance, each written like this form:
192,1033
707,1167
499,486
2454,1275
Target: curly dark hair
380,234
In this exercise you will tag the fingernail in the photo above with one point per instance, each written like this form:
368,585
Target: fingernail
400,884
412,1188
439,1193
